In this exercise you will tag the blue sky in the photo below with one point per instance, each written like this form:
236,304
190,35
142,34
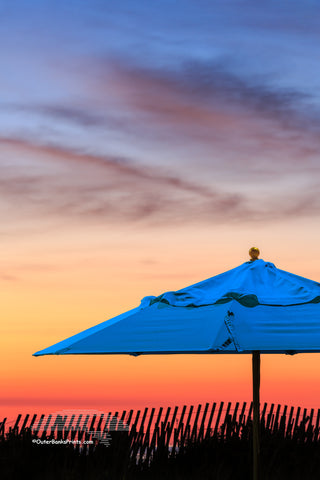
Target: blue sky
217,100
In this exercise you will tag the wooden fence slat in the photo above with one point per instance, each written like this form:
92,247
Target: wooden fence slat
180,424
185,433
78,430
44,433
269,418
290,423
226,420
305,411
2,426
296,428
78,421
139,437
170,429
100,422
128,421
282,424
297,417
201,430
228,427
143,420
75,429
234,417
137,418
178,430
208,432
68,429
106,423
218,419
26,418
156,430
195,424
38,425
242,417
241,420
150,420
17,422
146,439
133,431
121,422
318,419
91,428
33,420
84,429
150,447
166,417
114,422
263,415
316,430
302,426
310,428
159,416
71,421
249,418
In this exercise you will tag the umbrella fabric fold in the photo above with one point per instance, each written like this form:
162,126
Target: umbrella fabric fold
253,307
251,284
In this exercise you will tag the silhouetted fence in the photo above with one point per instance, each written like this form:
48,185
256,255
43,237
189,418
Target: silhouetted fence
203,442
173,428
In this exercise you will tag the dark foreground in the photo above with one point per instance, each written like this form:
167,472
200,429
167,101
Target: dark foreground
209,459
290,449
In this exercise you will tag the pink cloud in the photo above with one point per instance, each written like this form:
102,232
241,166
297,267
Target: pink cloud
61,183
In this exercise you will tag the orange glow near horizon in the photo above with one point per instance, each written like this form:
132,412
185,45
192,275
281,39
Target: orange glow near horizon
61,278
61,291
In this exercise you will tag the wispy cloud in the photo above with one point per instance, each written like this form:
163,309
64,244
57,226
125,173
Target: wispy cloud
235,135
204,104
106,189
211,117
209,101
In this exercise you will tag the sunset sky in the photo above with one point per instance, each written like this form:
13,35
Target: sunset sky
146,146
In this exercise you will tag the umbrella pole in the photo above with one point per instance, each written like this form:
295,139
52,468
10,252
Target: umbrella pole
256,413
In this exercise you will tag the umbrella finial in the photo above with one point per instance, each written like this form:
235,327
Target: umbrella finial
254,253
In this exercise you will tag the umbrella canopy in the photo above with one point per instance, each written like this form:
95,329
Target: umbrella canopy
253,307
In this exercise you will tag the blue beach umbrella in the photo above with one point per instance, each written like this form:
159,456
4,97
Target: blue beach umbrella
252,309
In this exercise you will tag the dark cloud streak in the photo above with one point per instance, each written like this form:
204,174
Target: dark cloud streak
102,187
211,86
106,190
